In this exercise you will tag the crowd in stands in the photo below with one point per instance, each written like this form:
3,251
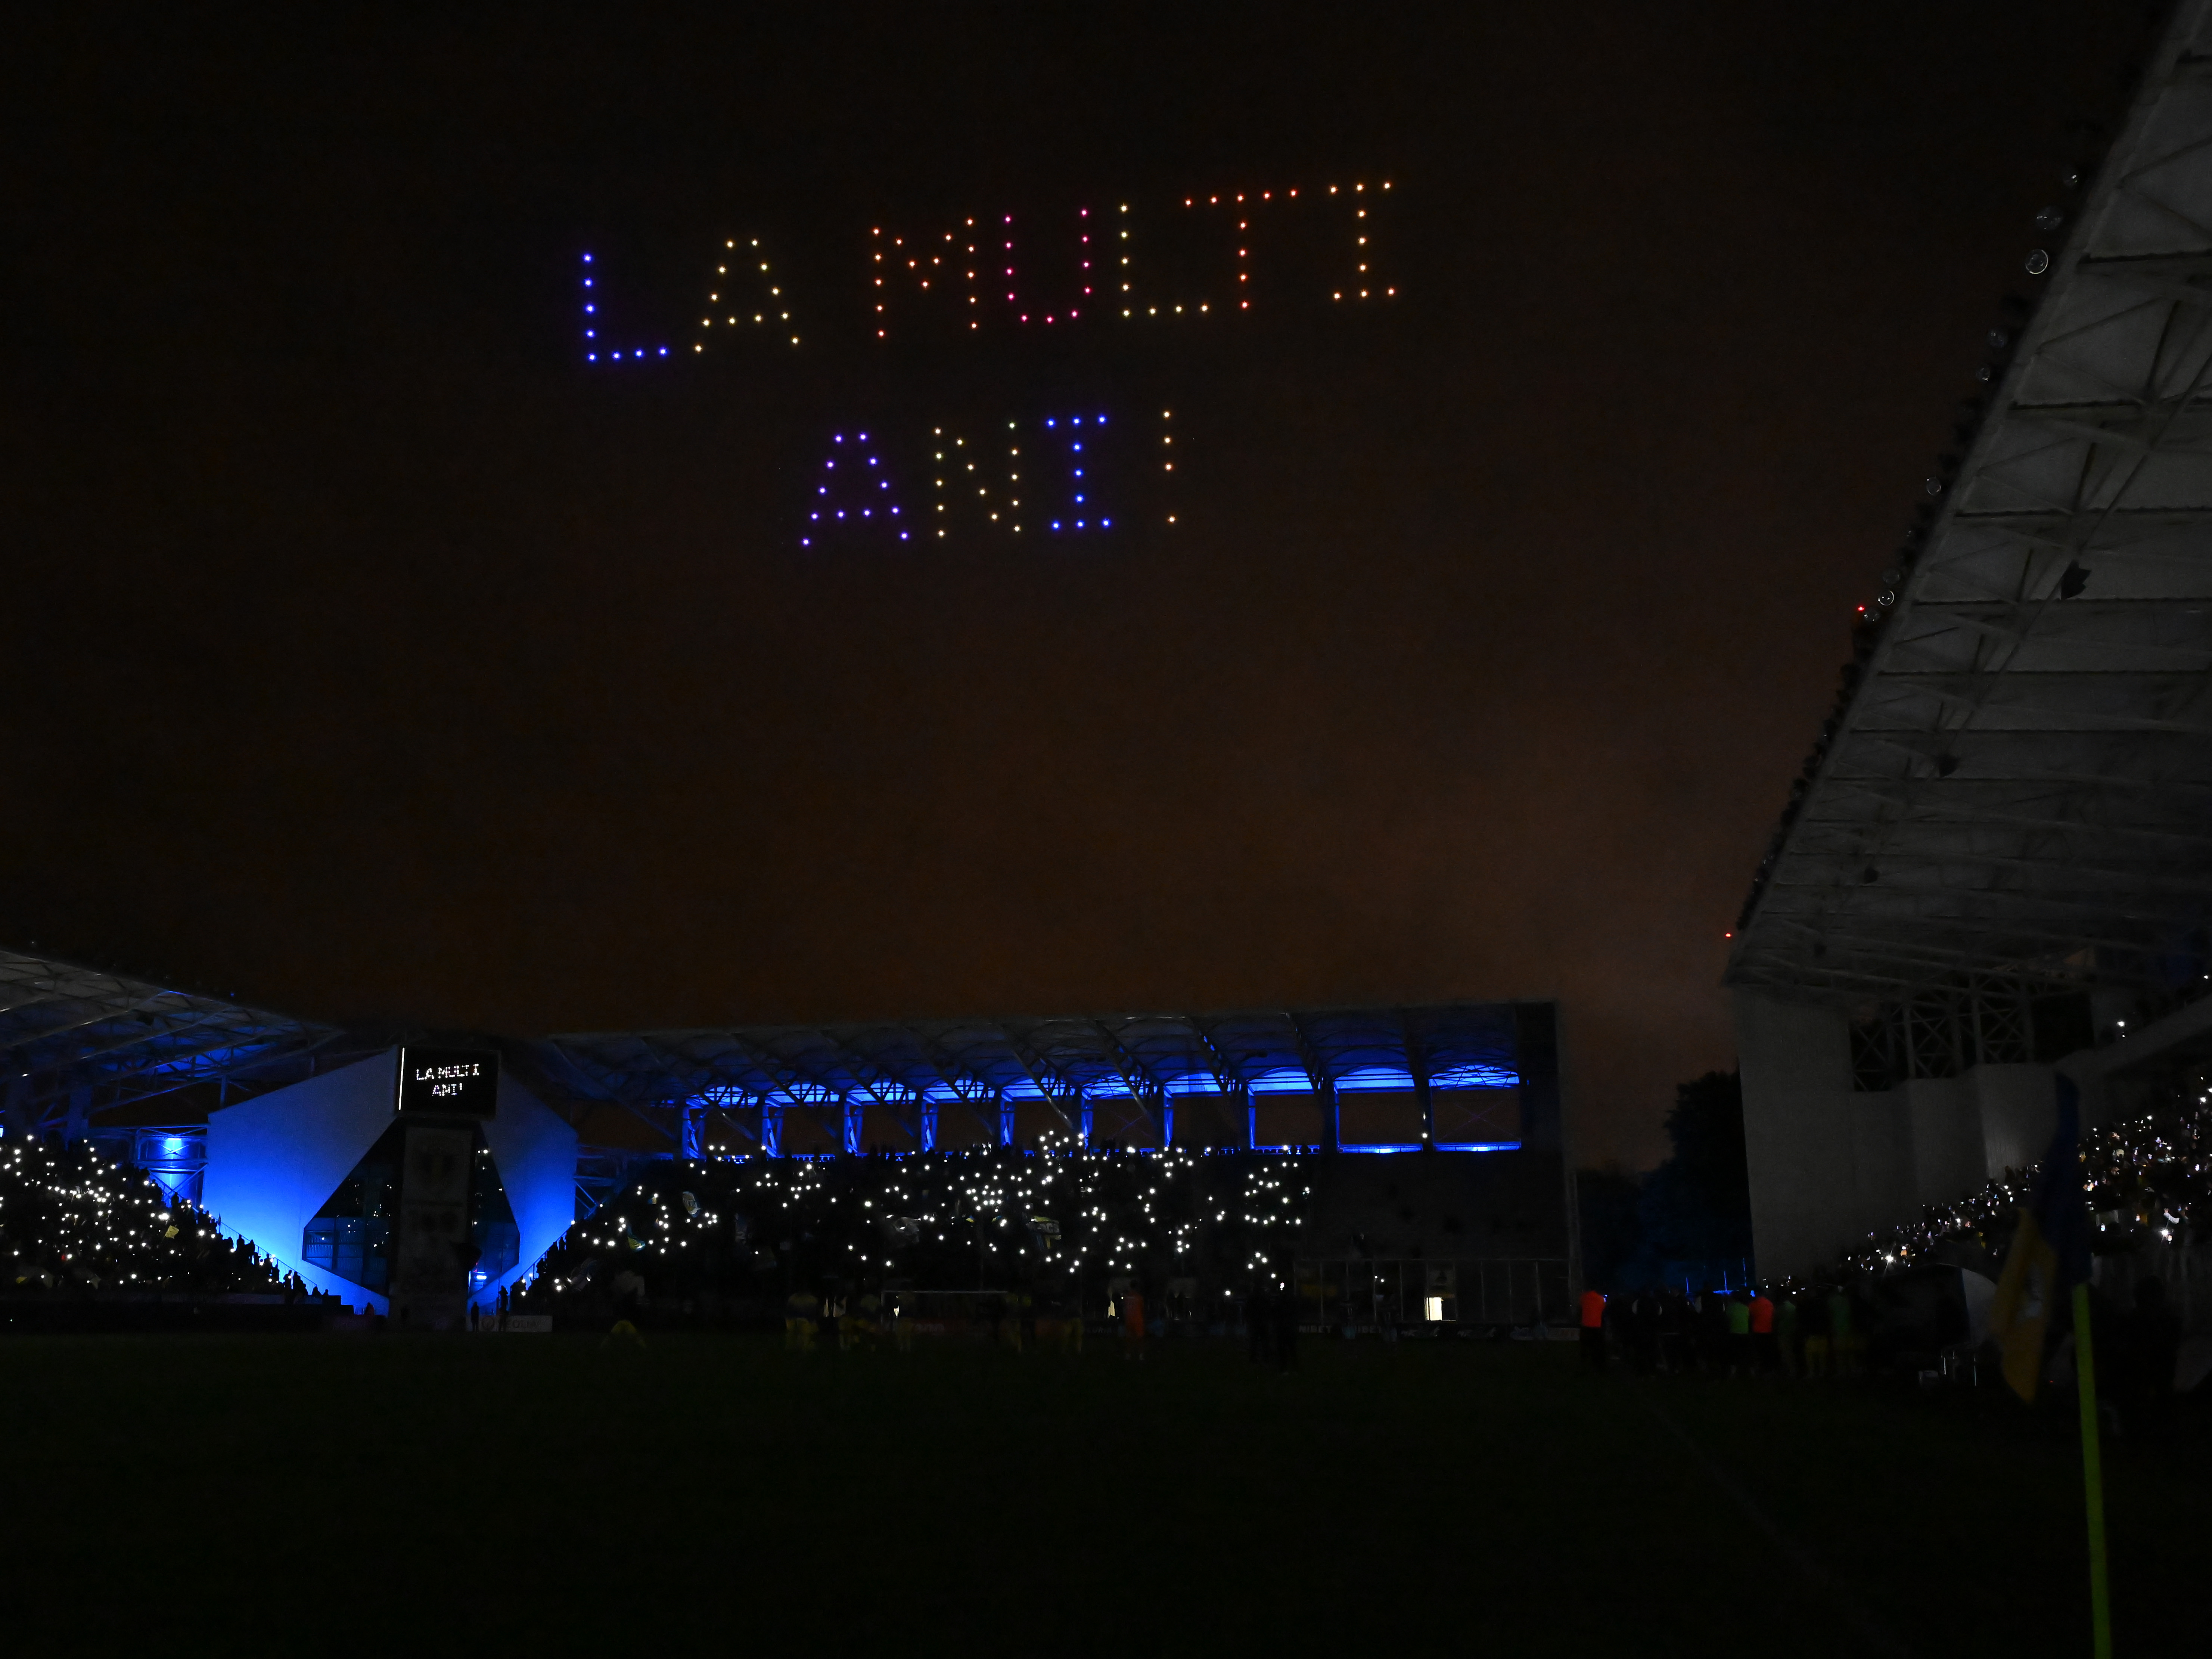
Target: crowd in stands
1070,1228
76,1224
1897,1304
2149,1181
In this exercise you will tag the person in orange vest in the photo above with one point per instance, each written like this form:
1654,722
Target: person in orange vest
1764,1355
1594,1329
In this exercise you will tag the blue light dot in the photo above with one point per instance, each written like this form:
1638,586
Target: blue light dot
1048,423
814,515
591,356
1079,500
591,333
1078,524
1055,523
587,259
803,542
588,309
1078,446
841,512
902,535
836,437
1105,524
587,282
866,513
1075,420
864,437
664,351
1101,420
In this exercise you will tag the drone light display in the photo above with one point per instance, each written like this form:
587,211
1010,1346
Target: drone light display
1080,470
1054,476
859,497
1219,254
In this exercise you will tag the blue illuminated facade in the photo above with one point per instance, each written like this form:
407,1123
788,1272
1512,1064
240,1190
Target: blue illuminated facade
279,1167
1467,1078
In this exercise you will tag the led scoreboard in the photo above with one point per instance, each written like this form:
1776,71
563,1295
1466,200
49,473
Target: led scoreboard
456,1082
1076,469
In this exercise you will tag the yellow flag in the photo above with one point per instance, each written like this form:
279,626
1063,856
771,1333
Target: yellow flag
2020,1313
2049,1253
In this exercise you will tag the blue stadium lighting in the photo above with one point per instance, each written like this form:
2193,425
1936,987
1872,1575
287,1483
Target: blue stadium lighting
1475,1076
1374,1079
172,1146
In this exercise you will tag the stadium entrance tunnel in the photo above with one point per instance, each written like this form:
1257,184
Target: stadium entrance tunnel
351,1235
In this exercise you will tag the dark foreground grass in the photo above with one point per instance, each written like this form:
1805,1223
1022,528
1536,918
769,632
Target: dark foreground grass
537,1495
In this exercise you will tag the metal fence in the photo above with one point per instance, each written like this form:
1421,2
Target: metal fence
1365,1294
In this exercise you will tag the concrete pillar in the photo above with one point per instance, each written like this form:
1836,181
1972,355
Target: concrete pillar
1884,1188
1798,1129
2018,1106
1946,1127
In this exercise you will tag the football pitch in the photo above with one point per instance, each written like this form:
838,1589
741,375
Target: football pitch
557,1494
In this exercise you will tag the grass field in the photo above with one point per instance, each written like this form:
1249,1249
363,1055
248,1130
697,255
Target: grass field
285,1495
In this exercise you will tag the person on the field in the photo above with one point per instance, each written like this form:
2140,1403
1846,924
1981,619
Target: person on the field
800,1309
1285,1310
1593,1328
1763,1357
1843,1340
1666,1332
629,1296
1737,1312
1644,1317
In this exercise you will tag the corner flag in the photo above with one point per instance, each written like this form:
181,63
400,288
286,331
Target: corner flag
2050,1252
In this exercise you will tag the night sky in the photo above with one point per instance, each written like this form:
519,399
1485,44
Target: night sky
369,654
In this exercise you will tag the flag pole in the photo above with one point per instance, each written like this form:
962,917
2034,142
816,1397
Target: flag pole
2092,1478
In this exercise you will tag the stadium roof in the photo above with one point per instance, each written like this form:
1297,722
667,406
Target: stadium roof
1145,1058
2019,777
79,1039
69,1031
